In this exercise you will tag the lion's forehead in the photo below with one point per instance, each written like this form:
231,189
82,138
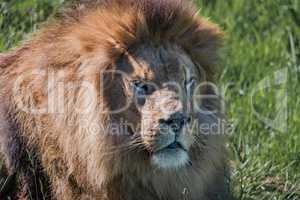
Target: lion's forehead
161,64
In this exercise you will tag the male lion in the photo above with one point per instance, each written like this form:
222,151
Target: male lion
101,104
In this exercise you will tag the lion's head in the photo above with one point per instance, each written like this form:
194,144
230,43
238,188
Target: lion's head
157,84
115,89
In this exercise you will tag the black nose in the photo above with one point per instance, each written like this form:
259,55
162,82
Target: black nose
176,121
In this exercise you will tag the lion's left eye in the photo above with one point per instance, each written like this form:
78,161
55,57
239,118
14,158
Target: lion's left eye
190,83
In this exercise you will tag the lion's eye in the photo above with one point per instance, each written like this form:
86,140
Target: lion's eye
190,83
143,88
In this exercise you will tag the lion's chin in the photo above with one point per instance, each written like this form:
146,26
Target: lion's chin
170,158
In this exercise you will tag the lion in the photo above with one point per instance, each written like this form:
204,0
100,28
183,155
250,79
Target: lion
102,103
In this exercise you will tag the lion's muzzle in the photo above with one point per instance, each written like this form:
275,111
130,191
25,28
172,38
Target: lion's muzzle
165,129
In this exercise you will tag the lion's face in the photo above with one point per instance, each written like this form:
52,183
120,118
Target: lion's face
159,84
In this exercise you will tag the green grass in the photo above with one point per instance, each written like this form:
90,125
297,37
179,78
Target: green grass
262,41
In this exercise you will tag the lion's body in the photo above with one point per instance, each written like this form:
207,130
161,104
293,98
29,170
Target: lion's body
51,153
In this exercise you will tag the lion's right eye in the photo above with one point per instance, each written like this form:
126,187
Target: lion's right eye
143,88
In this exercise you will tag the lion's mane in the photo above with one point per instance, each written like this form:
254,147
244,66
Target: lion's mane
50,155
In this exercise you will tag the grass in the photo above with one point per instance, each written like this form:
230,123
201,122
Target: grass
260,80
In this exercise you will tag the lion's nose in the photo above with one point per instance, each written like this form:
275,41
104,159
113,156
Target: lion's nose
176,121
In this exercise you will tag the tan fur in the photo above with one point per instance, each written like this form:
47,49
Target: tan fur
80,45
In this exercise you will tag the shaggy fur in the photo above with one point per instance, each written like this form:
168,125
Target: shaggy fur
52,155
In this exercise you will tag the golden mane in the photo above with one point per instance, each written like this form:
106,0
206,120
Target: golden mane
98,33
117,26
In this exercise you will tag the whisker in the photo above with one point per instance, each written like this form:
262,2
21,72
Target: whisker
131,146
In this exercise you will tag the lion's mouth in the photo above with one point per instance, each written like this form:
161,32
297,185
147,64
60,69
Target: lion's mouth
174,145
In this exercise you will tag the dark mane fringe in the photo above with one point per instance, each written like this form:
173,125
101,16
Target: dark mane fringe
136,22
